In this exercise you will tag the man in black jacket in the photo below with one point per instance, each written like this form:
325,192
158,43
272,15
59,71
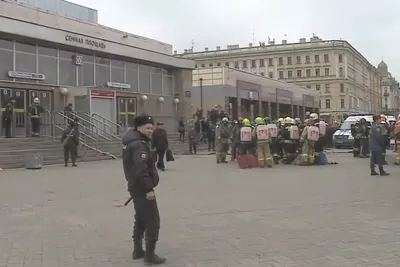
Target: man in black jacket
160,144
70,142
142,177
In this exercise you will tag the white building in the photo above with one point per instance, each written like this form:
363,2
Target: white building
390,91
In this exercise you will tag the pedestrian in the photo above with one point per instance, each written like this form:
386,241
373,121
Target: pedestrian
192,140
377,146
159,142
70,142
8,116
142,177
181,130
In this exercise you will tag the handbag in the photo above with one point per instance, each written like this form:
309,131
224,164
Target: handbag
169,156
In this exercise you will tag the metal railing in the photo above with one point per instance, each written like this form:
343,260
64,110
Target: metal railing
114,127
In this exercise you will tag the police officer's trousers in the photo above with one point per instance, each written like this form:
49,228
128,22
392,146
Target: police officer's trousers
364,152
7,126
357,147
147,219
70,151
263,154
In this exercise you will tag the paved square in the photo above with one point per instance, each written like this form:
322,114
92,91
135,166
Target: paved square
212,215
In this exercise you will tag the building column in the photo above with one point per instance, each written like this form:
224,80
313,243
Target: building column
304,112
183,83
298,111
277,110
260,106
269,109
292,109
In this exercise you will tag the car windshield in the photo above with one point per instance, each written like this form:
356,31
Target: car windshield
346,125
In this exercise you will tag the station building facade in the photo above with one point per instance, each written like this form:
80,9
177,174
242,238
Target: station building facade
98,69
243,94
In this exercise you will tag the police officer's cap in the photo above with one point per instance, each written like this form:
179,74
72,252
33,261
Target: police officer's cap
142,120
376,117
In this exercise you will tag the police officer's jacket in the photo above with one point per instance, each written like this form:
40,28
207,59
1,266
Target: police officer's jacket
140,172
376,139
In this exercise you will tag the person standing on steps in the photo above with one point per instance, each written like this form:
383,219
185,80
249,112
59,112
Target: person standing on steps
142,178
70,142
8,116
35,109
377,146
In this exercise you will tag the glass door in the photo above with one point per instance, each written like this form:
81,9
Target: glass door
126,111
18,100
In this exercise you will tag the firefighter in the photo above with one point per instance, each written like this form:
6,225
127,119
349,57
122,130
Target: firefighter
261,135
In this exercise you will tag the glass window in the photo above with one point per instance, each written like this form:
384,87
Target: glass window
144,82
86,74
25,62
6,59
48,67
144,68
87,58
66,54
132,78
167,85
47,51
156,83
117,75
130,65
117,63
67,73
102,75
156,70
102,60
6,44
25,48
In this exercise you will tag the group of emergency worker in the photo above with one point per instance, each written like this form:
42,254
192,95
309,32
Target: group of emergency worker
285,141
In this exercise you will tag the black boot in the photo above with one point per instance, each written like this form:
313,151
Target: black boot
138,251
373,172
382,172
150,257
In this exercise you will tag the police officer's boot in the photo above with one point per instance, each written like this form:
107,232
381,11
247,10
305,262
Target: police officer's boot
150,257
382,172
373,172
138,251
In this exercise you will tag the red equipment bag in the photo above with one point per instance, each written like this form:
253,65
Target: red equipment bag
242,161
252,161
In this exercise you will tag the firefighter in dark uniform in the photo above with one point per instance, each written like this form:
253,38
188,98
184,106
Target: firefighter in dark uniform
142,177
364,146
8,115
70,141
35,109
356,133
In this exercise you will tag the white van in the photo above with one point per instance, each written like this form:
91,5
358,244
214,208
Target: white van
343,138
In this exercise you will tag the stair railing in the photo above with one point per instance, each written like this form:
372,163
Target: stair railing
118,128
100,124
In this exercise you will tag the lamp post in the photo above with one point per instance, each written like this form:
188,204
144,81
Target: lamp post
201,93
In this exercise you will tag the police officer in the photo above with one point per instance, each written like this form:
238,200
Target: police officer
377,146
8,115
142,177
70,142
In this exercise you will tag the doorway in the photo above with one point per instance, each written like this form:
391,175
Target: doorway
126,111
18,99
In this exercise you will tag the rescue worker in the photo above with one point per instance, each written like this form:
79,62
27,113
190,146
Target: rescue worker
70,142
222,134
142,178
261,135
35,109
246,146
8,116
386,136
308,138
364,133
211,135
356,133
377,145
277,145
396,134
319,144
288,146
235,138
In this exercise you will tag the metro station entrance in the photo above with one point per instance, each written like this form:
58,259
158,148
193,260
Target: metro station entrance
21,100
126,110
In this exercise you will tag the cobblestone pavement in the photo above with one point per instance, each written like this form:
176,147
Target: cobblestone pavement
212,215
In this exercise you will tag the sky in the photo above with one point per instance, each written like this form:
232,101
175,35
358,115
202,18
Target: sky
372,27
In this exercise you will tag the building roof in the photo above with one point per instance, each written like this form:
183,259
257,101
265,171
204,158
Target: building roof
382,64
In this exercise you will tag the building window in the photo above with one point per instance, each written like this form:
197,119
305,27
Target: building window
210,65
253,64
340,71
117,71
299,74
271,75
7,63
102,70
195,66
327,103
244,64
326,71
290,74
342,103
6,44
167,85
27,48
317,72
236,64
132,76
280,61
227,64
262,63
342,88
270,62
316,58
309,86
48,66
327,88
308,73
289,60
144,79
340,58
262,73
280,74
203,65
308,59
298,59
25,62
156,81
326,58
317,87
67,72
219,64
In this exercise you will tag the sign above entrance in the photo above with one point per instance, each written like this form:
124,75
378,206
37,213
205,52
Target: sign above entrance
81,40
102,93
119,85
26,75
